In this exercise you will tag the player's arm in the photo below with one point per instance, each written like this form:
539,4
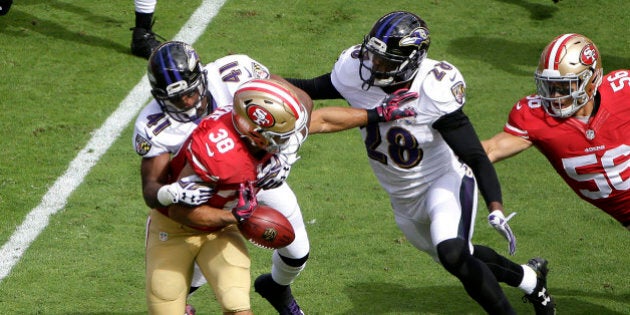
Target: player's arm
154,174
318,88
504,145
156,190
304,98
459,134
329,119
202,215
333,119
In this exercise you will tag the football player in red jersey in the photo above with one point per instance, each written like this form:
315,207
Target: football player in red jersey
185,91
226,151
580,120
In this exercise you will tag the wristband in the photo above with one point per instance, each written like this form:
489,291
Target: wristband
164,197
372,116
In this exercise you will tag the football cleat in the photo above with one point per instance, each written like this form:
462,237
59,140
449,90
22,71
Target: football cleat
5,5
540,298
279,296
190,310
143,42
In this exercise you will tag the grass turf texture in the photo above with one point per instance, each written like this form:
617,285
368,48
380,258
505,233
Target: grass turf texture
66,66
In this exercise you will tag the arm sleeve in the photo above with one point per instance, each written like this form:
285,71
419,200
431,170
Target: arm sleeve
460,135
318,88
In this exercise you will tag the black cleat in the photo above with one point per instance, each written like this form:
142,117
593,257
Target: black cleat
279,296
5,6
143,42
540,298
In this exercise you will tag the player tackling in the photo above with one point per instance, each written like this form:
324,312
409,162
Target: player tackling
226,151
185,91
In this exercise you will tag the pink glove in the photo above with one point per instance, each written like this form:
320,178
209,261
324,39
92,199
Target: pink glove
247,202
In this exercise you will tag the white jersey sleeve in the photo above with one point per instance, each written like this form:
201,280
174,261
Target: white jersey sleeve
155,133
441,88
226,74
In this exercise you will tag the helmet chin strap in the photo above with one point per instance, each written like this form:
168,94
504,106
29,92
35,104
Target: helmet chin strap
193,112
198,107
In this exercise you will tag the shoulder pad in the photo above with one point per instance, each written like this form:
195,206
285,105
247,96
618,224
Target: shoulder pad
444,83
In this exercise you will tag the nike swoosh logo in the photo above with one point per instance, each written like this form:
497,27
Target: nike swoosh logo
210,153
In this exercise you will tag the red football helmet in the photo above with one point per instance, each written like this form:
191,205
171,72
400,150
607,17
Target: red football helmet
568,74
270,116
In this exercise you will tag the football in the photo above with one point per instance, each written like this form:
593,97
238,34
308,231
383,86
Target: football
267,228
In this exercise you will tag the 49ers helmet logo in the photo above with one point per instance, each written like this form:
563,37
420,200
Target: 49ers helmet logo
589,55
260,116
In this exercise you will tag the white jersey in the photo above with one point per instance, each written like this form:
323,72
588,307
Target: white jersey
406,155
156,133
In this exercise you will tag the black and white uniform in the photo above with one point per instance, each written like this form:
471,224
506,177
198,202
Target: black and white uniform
433,194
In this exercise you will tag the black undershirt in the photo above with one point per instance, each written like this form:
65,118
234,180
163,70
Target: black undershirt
459,134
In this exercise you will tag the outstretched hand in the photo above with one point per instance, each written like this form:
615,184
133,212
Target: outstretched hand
500,223
390,108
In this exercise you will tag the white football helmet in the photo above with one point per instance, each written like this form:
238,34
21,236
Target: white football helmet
568,74
270,116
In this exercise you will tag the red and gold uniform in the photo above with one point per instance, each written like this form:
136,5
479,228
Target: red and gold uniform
218,155
593,156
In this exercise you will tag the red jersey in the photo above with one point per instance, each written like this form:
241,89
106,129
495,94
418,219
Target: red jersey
219,156
593,158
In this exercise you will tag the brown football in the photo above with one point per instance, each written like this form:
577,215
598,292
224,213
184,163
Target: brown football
267,228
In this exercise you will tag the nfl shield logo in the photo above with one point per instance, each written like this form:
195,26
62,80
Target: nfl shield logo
163,236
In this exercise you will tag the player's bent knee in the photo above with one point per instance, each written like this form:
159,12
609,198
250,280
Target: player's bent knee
453,253
167,286
234,300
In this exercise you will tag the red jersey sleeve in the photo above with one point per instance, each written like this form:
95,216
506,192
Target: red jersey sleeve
522,116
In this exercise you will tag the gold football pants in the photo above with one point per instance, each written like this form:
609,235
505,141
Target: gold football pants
172,249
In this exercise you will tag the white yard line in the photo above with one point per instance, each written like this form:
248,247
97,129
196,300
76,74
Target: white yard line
56,197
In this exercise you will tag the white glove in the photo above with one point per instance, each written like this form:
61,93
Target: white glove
500,223
275,171
189,190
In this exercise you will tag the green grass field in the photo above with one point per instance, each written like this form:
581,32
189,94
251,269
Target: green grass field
65,67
